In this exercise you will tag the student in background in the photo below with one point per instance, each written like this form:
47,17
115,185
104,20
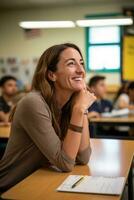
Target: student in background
125,97
122,91
50,122
97,85
8,86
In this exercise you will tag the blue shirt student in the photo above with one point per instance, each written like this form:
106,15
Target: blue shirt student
101,106
97,85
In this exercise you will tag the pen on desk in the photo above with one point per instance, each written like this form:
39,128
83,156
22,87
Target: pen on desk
77,182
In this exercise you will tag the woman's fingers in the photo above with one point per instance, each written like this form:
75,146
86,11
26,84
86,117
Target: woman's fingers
92,98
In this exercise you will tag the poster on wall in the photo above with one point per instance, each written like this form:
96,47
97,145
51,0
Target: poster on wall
22,69
128,58
3,70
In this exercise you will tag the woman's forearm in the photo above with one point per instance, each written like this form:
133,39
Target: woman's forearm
72,140
85,135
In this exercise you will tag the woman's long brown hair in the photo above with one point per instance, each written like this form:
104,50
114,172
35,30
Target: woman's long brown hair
48,61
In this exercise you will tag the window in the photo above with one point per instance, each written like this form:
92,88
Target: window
104,48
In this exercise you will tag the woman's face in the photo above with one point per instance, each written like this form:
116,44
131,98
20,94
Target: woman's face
70,72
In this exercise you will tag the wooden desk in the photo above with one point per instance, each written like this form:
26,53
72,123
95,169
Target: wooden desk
4,131
109,158
113,121
119,120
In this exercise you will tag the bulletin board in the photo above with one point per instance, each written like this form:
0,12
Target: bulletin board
22,69
128,58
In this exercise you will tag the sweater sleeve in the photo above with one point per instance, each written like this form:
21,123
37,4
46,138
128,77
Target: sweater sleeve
36,121
83,156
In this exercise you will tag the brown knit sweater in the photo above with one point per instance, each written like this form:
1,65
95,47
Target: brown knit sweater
33,143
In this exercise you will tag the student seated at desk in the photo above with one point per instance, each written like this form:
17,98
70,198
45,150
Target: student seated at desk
8,86
125,97
49,124
97,85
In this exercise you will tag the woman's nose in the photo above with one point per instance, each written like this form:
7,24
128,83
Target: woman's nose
79,68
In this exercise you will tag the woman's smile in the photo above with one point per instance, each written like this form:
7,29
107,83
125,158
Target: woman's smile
77,78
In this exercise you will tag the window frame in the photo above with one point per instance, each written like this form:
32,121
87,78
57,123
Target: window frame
100,44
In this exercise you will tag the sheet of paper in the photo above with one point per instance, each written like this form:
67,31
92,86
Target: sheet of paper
92,184
116,113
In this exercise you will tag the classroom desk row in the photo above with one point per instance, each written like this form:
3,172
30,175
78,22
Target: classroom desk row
112,121
4,131
127,120
109,158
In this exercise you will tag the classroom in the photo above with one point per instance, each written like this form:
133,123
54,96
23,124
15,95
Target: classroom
67,99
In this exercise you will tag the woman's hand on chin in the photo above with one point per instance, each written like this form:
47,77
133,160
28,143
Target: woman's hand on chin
84,99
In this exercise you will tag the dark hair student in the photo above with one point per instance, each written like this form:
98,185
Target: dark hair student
122,90
50,125
4,79
95,79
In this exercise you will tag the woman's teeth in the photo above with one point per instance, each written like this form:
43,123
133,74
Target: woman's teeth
78,79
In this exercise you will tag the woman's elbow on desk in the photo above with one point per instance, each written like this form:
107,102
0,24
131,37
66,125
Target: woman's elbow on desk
64,162
68,168
84,156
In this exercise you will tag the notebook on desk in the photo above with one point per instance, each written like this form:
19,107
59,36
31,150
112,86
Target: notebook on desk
93,184
116,113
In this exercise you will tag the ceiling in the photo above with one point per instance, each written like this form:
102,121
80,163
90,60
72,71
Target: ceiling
34,3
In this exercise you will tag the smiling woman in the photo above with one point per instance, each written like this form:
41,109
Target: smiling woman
49,125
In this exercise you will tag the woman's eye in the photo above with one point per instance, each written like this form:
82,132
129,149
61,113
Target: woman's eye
71,63
82,63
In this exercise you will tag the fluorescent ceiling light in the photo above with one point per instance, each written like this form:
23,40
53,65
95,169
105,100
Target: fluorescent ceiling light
105,22
46,24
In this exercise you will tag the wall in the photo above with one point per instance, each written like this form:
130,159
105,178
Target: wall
13,42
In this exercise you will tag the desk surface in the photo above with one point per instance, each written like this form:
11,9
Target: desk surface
4,131
109,158
129,119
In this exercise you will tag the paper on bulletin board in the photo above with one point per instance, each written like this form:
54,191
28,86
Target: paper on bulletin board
128,58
